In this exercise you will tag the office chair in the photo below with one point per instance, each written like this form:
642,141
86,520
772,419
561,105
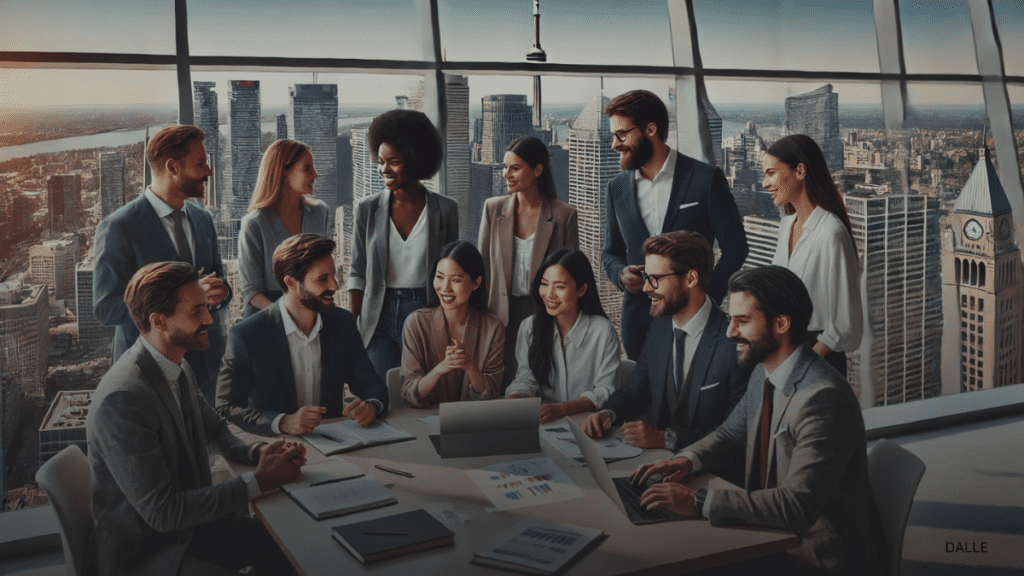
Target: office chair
895,473
394,383
65,479
626,367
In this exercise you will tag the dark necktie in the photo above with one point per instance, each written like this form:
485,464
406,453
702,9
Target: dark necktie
680,367
184,253
766,429
185,399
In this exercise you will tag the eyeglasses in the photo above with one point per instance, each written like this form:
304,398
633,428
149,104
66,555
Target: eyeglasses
621,134
654,279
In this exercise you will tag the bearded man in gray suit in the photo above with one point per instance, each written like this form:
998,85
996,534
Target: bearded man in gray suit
154,507
800,433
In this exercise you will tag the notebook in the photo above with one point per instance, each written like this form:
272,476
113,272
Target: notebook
338,496
540,547
346,435
382,538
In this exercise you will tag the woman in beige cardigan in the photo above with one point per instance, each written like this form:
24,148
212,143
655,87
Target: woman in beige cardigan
517,232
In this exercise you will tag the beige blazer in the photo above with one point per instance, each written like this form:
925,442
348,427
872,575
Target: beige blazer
557,227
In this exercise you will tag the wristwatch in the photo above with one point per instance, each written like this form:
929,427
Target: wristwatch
699,499
670,439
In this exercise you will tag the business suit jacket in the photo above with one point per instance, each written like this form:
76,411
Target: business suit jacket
557,227
701,202
151,481
818,484
716,382
132,237
257,383
369,269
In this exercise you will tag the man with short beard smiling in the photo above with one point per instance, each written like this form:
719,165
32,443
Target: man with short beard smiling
286,366
660,190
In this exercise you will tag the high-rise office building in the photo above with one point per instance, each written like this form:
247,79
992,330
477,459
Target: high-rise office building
715,128
816,114
313,119
53,263
488,182
505,118
592,164
25,334
743,151
112,183
64,193
762,237
366,178
982,288
282,126
456,149
342,252
89,327
64,423
897,238
207,117
244,131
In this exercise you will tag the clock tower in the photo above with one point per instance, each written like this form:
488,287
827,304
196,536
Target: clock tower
982,280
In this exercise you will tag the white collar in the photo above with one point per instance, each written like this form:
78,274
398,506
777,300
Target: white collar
667,167
781,374
162,208
695,326
171,369
290,327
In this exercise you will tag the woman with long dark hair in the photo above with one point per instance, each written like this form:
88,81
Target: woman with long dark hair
282,206
453,351
398,233
816,243
516,233
568,351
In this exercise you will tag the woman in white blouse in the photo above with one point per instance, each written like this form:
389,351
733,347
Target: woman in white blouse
568,352
816,243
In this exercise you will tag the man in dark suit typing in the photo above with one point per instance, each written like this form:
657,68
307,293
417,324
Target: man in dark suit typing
687,378
660,190
286,366
155,509
800,433
160,226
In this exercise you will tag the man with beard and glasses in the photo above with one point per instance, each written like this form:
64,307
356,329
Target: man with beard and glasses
286,366
660,190
160,226
155,508
800,434
687,380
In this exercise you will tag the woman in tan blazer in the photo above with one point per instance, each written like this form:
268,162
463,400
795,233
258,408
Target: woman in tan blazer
517,232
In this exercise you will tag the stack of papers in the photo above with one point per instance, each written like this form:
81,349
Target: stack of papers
538,547
525,483
612,447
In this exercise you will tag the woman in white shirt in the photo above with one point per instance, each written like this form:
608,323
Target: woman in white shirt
568,352
816,243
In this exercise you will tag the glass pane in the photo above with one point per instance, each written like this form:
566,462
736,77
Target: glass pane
1016,94
937,37
139,27
792,35
306,28
1009,16
594,32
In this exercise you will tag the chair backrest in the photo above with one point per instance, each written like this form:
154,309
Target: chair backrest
65,479
626,367
394,383
895,473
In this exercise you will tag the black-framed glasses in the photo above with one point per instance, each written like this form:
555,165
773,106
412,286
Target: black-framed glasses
621,137
655,278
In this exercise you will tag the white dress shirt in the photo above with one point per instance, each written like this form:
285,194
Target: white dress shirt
163,212
171,371
652,195
694,328
521,265
407,258
307,368
826,260
584,368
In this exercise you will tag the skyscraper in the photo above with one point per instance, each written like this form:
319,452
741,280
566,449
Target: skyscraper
313,119
65,199
112,182
456,149
89,327
715,128
816,114
24,334
897,238
505,118
282,126
53,263
244,128
762,238
207,117
366,178
592,163
982,288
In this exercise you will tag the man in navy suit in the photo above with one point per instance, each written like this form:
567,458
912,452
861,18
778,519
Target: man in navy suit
660,190
286,366
160,226
687,375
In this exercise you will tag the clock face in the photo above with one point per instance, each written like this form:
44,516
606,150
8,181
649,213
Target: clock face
1004,229
973,229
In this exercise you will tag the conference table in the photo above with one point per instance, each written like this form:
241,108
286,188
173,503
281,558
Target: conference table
665,548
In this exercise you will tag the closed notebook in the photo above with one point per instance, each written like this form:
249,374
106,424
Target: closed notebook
404,533
342,497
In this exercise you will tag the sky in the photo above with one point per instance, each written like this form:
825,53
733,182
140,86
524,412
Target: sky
766,34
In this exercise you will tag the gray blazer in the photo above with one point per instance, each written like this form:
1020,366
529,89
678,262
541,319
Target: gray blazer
557,227
817,474
369,269
151,483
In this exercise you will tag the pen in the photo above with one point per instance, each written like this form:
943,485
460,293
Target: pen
322,482
385,533
393,471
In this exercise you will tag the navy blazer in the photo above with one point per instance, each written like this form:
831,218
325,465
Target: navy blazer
256,381
700,202
716,385
132,237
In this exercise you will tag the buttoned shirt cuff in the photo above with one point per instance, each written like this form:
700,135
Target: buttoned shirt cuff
275,425
356,283
610,413
254,454
252,485
705,510
377,405
692,458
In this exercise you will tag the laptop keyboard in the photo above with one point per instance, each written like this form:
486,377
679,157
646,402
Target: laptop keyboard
630,496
